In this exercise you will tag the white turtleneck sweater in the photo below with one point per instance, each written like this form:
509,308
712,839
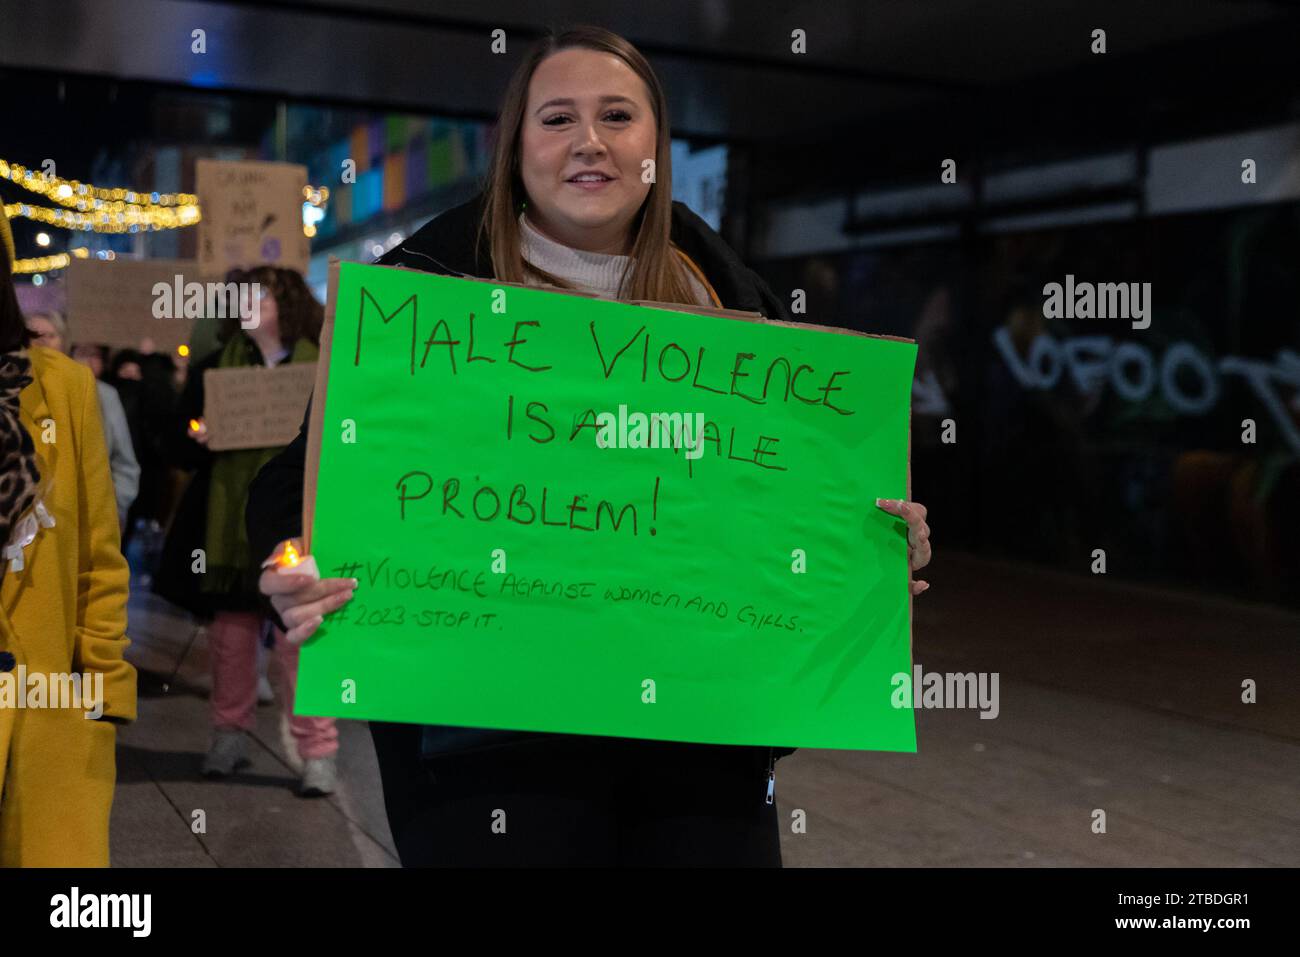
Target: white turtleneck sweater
590,272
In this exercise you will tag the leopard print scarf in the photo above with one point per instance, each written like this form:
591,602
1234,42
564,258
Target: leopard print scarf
19,476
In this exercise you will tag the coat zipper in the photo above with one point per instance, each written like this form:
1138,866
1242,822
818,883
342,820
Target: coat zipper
771,775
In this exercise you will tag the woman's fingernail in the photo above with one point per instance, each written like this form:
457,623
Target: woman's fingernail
880,502
355,582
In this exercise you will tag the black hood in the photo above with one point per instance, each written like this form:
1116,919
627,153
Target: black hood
445,245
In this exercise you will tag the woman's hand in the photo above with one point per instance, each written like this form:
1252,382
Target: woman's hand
302,602
198,431
918,535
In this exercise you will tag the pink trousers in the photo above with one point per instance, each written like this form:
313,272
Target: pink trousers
232,642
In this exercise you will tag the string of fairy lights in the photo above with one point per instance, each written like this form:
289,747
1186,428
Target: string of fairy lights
100,209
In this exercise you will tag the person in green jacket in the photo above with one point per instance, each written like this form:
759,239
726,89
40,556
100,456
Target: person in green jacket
283,325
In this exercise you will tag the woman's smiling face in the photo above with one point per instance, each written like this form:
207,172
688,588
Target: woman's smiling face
588,112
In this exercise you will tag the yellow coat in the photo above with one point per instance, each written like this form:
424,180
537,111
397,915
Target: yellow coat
65,612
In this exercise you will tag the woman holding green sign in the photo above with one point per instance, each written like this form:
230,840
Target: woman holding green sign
579,195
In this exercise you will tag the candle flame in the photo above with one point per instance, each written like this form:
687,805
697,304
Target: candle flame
195,425
290,558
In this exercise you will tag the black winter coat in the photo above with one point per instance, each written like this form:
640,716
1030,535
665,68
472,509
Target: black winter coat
446,245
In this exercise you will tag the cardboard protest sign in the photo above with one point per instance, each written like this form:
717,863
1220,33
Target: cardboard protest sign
123,301
256,407
252,215
478,460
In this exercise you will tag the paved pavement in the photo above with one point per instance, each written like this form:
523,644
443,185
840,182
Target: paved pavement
1112,697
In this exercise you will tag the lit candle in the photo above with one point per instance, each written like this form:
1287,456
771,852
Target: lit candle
288,560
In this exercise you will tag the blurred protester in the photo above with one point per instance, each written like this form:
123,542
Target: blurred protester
222,581
146,388
95,357
62,603
48,329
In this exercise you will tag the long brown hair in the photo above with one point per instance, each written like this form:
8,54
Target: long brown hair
300,312
660,274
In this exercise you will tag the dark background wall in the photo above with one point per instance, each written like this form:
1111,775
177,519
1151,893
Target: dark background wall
1049,458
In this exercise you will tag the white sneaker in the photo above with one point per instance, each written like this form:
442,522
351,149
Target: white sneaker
319,777
229,753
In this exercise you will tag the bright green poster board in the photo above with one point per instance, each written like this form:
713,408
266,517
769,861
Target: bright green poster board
516,574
